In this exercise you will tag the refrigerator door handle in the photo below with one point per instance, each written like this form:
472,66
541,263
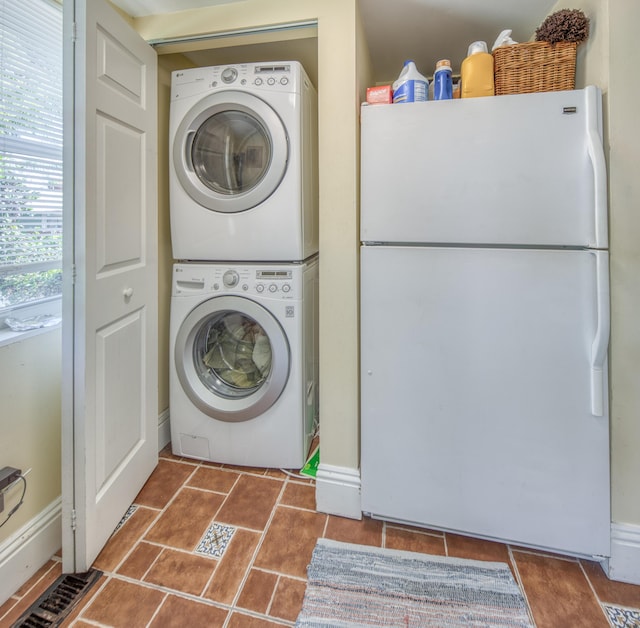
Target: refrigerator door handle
595,150
601,340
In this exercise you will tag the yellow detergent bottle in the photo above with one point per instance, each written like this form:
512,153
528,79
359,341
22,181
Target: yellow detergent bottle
476,73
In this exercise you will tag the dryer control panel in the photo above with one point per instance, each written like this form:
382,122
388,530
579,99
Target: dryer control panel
275,282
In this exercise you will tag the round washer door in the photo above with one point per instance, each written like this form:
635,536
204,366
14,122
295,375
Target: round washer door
232,358
230,151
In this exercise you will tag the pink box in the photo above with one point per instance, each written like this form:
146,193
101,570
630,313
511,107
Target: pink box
380,95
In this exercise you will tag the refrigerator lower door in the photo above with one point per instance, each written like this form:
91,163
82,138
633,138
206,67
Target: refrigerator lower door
477,401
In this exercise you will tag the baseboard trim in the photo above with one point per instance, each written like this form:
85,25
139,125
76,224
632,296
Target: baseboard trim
164,430
30,547
338,491
624,564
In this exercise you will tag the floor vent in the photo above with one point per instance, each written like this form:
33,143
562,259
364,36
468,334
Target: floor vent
58,600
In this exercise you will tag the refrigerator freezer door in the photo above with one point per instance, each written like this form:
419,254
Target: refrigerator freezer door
519,170
476,394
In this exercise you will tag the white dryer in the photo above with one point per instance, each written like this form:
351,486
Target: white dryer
244,365
243,170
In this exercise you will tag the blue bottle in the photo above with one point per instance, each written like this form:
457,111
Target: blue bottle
442,83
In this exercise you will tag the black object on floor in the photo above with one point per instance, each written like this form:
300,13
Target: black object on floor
58,600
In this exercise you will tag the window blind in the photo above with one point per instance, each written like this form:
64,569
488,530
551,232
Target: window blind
30,144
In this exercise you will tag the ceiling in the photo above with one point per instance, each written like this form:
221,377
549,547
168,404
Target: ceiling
422,30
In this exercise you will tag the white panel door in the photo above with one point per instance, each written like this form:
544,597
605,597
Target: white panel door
477,407
110,414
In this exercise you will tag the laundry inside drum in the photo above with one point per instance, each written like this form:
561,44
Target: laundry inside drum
233,354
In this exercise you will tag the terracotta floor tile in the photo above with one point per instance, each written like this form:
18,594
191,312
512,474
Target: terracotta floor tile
33,594
33,581
187,518
7,606
238,620
178,612
84,602
181,571
233,566
262,574
123,605
139,561
299,495
250,502
169,455
476,549
558,592
212,479
241,469
209,463
413,541
287,601
163,484
290,540
610,591
124,539
257,591
276,473
366,531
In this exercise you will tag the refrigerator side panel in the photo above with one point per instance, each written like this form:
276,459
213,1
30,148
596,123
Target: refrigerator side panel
477,409
524,169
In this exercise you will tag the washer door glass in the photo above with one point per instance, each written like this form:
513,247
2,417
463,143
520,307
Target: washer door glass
230,152
232,354
232,358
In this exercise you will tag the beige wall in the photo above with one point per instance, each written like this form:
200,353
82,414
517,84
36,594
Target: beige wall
338,60
624,194
30,372
606,60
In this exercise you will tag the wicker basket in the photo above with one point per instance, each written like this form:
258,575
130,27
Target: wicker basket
534,67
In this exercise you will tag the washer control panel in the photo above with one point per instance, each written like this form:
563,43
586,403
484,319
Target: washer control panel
271,282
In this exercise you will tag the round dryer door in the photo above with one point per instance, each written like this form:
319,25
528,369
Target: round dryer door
230,151
232,358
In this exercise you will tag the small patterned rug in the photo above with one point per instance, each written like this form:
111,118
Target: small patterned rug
357,585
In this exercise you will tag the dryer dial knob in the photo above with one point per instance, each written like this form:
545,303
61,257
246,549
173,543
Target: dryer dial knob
230,279
229,75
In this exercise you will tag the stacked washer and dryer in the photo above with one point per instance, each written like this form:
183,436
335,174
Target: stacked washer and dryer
244,227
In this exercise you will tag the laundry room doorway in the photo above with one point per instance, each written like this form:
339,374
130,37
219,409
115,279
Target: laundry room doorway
110,300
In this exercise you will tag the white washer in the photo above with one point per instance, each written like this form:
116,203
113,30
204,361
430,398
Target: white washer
243,360
243,165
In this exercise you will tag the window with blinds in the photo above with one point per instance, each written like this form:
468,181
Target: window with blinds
30,152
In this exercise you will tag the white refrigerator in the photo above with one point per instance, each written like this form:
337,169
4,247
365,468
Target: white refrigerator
485,318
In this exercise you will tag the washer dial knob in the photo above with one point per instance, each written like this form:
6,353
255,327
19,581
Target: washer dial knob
229,75
230,279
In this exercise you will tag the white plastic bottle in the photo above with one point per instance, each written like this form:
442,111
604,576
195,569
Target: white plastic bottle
411,86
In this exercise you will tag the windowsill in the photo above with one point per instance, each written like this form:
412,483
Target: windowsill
8,336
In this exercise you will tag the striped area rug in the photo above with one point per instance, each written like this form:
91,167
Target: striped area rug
357,585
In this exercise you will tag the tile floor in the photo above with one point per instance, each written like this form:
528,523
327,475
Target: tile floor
212,545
